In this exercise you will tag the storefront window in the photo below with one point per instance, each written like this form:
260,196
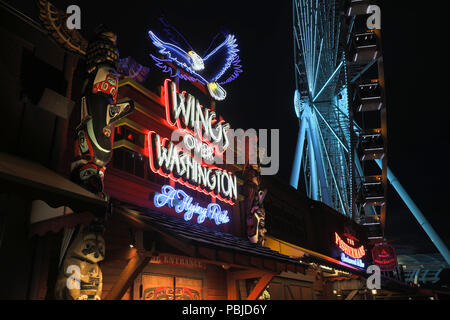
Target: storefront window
130,161
156,287
126,133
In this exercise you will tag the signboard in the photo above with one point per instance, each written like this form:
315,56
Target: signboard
178,261
384,256
201,138
218,67
351,252
183,203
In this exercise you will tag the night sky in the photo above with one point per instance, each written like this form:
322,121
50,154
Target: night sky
416,63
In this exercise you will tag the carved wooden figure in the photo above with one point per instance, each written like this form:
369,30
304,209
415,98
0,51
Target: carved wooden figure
254,198
80,277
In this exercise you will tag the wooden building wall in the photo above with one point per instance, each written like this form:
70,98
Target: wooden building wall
216,283
294,218
30,63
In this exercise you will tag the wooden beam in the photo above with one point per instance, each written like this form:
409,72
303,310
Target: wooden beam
260,286
127,276
231,287
174,242
242,289
243,260
256,262
226,256
247,274
351,295
270,264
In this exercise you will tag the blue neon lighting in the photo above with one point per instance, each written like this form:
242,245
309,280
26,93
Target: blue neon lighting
230,47
182,202
216,63
172,73
237,69
349,260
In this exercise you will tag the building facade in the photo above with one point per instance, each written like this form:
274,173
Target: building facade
176,228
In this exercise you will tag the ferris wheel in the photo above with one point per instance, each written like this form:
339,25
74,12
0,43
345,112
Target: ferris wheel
340,103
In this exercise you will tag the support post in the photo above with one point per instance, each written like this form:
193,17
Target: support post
231,287
260,286
317,152
295,174
440,245
312,164
127,276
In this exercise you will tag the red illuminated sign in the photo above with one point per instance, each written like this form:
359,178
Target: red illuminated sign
201,133
384,256
185,113
356,253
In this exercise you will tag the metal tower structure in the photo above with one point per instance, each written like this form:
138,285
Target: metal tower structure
339,100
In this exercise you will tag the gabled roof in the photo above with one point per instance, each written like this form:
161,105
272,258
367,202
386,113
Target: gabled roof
191,233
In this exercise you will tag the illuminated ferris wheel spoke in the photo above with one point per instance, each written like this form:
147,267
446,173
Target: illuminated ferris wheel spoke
331,129
333,175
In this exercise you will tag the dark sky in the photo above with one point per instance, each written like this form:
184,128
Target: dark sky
416,64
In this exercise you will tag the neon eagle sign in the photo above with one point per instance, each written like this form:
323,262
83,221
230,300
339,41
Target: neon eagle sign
208,70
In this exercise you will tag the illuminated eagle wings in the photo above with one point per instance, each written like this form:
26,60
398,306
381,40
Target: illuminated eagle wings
219,60
207,70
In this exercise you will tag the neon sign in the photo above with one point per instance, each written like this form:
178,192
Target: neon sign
185,112
201,132
182,202
355,253
356,262
207,70
384,256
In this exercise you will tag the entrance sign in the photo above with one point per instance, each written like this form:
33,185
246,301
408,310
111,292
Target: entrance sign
178,261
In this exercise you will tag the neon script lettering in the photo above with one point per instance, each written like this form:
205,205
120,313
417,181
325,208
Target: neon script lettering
182,202
355,262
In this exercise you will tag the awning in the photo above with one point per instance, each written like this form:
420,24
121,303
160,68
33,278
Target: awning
44,187
309,256
38,182
205,243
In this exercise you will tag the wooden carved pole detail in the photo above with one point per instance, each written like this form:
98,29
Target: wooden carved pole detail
80,276
99,110
254,197
93,147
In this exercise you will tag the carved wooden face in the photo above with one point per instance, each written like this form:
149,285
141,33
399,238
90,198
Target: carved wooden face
90,246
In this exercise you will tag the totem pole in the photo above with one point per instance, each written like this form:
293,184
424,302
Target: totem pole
81,277
93,150
254,197
99,110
